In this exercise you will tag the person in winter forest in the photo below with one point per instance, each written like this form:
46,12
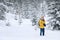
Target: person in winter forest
42,25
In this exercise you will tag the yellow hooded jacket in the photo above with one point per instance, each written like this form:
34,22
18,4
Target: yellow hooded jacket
41,23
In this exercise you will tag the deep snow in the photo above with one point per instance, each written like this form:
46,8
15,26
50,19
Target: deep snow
25,31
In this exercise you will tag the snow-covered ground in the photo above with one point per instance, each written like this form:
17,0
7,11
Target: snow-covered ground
26,31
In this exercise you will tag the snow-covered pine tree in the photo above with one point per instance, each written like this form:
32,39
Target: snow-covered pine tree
2,12
53,15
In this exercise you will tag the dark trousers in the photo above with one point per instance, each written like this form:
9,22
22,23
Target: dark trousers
42,31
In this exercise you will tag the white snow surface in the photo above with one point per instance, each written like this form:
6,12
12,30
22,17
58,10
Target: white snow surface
25,31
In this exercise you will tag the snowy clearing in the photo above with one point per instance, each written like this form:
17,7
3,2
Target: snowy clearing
26,31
